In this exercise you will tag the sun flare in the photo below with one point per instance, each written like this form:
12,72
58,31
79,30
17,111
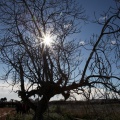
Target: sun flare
47,40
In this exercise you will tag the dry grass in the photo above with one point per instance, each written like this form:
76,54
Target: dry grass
70,112
90,112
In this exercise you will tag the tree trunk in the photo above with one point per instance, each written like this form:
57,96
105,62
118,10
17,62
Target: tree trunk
41,107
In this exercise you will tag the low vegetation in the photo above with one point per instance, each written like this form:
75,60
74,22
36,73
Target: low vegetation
75,111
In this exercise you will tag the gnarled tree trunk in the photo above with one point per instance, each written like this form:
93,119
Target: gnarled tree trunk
41,107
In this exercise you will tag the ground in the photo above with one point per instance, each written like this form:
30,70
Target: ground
6,111
73,111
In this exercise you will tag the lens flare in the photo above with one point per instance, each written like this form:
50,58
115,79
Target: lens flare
47,40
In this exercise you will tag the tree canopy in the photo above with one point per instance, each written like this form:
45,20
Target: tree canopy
43,57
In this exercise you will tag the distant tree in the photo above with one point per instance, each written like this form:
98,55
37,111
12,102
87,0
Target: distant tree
3,99
45,68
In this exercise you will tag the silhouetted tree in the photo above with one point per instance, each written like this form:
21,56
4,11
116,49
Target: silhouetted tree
3,99
46,69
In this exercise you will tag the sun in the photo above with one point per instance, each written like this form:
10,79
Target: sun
47,40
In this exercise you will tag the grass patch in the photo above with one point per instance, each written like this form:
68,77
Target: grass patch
19,117
70,112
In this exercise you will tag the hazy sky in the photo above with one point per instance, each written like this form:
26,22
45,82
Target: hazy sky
90,6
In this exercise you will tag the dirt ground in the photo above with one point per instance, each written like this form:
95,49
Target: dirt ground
5,111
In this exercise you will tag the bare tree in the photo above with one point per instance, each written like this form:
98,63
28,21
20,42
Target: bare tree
47,68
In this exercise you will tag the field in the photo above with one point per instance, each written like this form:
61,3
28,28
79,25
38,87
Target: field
83,111
4,112
73,111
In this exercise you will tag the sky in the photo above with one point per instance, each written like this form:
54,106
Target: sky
90,6
96,7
